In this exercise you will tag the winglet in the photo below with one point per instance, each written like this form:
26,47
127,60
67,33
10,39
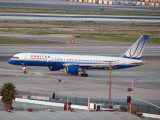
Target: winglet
136,50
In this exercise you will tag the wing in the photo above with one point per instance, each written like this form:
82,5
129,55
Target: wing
100,65
87,66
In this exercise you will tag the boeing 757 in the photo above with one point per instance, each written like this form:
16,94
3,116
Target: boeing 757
72,64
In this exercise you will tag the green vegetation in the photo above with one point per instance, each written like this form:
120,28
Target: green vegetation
77,11
123,36
111,31
12,40
35,31
8,93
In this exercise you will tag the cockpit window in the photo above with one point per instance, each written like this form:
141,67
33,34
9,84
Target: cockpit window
16,57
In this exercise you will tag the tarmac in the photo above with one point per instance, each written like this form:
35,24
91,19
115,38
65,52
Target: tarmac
78,18
65,115
146,77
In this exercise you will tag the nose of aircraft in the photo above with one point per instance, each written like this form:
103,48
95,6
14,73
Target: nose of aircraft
10,61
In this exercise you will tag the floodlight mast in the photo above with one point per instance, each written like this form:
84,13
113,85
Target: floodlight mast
29,82
110,84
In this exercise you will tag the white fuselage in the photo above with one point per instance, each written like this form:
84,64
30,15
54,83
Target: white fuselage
41,59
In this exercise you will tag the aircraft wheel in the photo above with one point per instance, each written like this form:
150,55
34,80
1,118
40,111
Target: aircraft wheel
84,75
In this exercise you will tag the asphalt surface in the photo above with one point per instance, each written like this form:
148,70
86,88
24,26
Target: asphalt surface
64,115
147,76
78,18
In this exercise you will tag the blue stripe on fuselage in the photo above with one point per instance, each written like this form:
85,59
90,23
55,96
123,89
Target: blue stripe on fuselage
60,64
35,62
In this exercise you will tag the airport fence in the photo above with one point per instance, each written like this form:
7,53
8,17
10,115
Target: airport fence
1,106
143,107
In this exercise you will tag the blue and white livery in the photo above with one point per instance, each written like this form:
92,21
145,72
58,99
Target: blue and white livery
136,50
72,64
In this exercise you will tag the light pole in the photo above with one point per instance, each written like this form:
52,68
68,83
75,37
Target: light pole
68,96
110,84
29,83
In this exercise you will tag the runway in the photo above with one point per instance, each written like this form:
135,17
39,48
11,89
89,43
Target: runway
78,18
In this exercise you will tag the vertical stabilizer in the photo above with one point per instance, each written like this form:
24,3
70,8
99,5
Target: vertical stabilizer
136,50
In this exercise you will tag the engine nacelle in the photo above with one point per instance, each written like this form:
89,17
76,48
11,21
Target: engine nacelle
72,69
53,68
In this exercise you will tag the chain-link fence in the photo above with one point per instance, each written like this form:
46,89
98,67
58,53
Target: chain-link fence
52,97
143,107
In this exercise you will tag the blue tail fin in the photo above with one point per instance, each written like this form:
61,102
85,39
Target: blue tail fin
136,50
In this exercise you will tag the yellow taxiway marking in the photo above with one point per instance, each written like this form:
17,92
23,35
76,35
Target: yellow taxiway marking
45,76
18,76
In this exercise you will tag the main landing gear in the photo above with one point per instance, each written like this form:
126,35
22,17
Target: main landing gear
84,74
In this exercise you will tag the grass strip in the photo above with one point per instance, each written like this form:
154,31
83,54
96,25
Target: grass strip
105,35
125,32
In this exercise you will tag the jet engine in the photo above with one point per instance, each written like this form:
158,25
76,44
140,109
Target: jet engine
72,69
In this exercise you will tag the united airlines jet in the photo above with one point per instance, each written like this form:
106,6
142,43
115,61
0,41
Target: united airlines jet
72,64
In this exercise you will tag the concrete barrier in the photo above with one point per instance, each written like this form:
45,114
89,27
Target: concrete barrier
81,107
147,115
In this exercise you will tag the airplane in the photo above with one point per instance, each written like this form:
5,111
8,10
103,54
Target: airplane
73,64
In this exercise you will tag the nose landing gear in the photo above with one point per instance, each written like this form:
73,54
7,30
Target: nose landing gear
24,69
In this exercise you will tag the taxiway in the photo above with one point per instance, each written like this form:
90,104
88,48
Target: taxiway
146,77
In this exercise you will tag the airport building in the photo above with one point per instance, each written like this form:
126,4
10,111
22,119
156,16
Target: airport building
145,3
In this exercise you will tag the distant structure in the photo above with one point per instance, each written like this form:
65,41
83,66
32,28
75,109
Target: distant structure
144,3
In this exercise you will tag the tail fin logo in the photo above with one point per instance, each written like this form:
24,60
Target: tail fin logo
136,50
